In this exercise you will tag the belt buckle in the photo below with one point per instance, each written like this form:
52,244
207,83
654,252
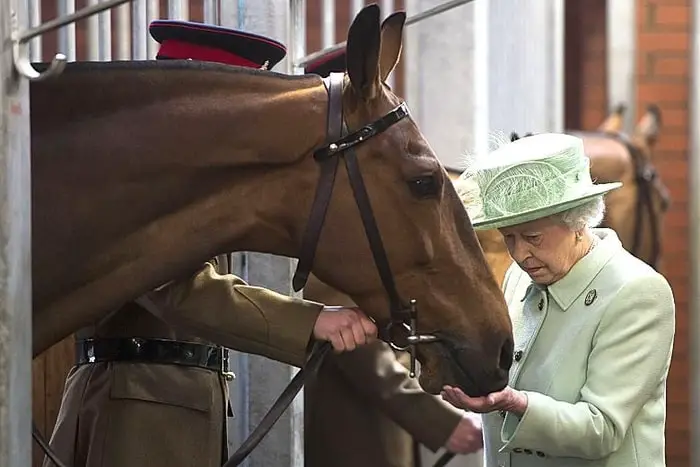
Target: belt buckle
229,375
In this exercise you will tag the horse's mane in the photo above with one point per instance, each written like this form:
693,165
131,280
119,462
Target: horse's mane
195,65
88,89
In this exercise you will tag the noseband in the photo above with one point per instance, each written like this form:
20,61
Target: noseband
400,332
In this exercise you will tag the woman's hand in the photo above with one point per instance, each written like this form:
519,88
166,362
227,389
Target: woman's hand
509,400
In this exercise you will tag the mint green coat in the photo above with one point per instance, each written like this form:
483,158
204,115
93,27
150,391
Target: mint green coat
592,354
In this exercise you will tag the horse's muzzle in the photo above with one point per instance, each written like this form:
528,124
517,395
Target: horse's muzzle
474,372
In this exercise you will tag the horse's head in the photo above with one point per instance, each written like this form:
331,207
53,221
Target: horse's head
432,250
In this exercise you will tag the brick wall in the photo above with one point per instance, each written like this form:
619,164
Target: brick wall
663,55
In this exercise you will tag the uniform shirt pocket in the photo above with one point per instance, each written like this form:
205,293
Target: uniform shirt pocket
180,386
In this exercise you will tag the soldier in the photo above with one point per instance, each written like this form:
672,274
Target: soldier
144,393
363,408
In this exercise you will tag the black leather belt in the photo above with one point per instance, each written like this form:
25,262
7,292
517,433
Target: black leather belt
161,351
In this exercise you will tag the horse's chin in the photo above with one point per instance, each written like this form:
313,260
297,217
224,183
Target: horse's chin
438,369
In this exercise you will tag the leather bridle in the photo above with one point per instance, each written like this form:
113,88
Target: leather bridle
645,177
400,331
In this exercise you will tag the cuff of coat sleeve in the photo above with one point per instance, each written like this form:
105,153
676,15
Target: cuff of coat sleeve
293,335
521,432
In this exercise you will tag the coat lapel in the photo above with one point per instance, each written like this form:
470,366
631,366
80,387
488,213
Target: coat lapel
571,286
527,316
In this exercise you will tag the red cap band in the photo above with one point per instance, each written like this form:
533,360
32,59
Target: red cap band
175,49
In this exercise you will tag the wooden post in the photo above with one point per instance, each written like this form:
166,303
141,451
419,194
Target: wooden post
15,252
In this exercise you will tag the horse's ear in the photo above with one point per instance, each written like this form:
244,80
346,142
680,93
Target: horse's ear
392,40
363,45
647,130
614,121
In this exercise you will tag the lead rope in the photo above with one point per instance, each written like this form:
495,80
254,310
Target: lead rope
45,446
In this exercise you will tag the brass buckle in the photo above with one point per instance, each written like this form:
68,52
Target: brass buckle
229,375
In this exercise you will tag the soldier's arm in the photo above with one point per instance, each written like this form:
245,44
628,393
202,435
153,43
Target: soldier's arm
226,310
374,371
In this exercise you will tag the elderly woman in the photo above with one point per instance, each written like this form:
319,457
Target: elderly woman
593,325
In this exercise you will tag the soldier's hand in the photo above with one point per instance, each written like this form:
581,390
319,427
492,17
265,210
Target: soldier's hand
466,438
344,327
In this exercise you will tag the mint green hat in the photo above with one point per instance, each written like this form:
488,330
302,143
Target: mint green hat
528,179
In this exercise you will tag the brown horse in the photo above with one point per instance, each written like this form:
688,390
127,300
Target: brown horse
133,162
636,210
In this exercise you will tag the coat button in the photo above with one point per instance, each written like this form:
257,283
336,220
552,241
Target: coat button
502,413
541,304
518,355
527,451
540,454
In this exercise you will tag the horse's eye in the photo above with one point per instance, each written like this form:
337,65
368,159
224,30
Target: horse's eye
424,187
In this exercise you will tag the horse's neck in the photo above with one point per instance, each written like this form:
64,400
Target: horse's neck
186,115
140,174
194,137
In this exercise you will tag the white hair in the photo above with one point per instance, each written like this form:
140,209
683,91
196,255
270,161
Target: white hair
589,214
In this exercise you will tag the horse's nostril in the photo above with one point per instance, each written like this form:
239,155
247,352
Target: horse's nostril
506,359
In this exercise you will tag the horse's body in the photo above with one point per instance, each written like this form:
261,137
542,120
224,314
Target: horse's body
636,210
141,171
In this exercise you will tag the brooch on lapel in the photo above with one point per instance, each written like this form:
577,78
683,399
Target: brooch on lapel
590,297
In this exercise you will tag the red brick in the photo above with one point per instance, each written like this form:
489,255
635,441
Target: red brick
665,104
657,41
676,222
672,143
668,64
674,243
670,160
666,17
667,2
643,64
673,254
661,92
674,118
671,146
